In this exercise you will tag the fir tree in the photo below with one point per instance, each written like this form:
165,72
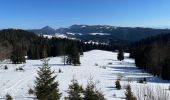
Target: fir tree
91,93
129,95
75,91
120,55
46,88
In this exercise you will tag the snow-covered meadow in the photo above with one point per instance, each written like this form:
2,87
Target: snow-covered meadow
102,66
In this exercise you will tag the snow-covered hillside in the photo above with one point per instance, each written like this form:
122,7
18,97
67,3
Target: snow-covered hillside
17,83
57,35
99,34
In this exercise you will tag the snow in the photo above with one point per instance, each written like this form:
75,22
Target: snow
83,26
99,33
107,27
97,43
69,33
17,83
47,36
58,35
115,27
79,33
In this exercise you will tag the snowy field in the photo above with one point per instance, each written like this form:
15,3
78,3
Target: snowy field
17,83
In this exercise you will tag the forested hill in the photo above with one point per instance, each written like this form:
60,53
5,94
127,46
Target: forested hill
10,38
153,55
22,43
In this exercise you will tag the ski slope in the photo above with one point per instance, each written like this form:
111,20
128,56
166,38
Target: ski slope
17,83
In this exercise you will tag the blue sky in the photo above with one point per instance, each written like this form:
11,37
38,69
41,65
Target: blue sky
29,14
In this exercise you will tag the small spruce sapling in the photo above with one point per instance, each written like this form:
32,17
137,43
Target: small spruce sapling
91,93
118,85
120,55
8,97
30,91
128,93
75,91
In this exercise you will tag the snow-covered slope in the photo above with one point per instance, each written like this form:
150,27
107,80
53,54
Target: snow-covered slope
99,34
58,35
105,74
47,36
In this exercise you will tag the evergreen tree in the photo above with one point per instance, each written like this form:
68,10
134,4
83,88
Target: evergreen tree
8,97
17,55
46,88
166,69
73,56
151,54
81,52
64,53
129,95
91,93
44,52
75,91
118,86
69,60
120,55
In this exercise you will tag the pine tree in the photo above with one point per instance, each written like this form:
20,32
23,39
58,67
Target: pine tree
129,95
75,91
91,93
46,88
120,55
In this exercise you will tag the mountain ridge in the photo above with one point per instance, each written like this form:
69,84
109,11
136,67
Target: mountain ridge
102,32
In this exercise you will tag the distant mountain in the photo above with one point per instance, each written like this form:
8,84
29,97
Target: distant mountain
103,32
47,30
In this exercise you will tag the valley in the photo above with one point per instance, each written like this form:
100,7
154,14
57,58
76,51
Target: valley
102,66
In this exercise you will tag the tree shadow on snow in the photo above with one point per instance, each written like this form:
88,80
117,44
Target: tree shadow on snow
132,73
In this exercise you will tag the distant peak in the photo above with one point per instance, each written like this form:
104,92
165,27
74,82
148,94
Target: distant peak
47,28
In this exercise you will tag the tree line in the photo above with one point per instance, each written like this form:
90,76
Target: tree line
15,44
153,55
